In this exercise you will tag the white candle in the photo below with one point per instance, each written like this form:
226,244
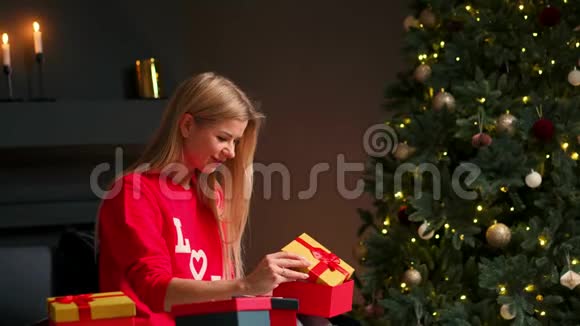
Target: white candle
5,50
37,38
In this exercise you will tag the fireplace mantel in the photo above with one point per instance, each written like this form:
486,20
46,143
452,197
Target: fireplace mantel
48,150
74,123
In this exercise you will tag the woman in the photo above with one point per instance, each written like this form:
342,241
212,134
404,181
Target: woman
170,229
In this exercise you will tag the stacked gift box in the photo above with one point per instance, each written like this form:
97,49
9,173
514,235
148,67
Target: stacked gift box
243,311
327,293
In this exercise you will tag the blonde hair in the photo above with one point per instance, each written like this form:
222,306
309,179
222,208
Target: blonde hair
210,98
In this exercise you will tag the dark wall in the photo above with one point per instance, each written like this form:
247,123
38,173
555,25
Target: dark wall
318,67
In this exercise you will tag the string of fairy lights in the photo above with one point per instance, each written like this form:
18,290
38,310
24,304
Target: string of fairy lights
498,235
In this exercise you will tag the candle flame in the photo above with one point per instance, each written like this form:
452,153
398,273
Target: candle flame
36,26
4,38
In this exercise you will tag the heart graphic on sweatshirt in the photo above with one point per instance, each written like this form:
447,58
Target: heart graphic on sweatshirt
198,255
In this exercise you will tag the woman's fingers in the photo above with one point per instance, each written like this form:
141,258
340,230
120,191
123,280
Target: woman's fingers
292,263
282,262
285,255
291,275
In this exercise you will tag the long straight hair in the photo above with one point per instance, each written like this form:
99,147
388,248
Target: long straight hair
211,98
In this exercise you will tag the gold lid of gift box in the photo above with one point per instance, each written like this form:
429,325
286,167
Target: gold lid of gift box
325,267
105,305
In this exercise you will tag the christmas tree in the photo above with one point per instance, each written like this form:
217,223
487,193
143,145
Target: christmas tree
476,218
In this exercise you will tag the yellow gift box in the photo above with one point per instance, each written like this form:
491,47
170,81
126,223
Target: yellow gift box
325,267
91,307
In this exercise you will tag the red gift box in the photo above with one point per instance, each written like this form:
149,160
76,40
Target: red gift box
212,307
283,312
318,299
243,311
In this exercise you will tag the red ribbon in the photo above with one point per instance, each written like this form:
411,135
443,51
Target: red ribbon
82,302
326,260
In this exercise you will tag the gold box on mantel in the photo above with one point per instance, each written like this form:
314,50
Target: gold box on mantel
148,81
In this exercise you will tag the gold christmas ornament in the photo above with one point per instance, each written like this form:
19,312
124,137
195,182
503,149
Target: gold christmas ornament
412,277
506,124
443,99
422,73
421,231
403,151
498,235
574,77
506,312
410,22
428,18
570,279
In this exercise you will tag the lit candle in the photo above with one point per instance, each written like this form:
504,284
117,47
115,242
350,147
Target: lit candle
37,38
5,50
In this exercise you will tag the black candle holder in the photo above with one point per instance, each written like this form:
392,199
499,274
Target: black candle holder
39,62
8,75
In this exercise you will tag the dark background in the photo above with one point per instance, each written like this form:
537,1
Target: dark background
318,68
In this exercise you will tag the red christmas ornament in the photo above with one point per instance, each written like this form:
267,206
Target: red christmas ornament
549,16
481,140
543,129
374,310
403,216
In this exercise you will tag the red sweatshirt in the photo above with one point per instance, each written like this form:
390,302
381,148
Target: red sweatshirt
151,230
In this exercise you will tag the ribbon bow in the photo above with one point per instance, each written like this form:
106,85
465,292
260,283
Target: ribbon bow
328,258
82,301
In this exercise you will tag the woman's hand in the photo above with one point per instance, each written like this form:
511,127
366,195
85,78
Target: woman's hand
273,270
